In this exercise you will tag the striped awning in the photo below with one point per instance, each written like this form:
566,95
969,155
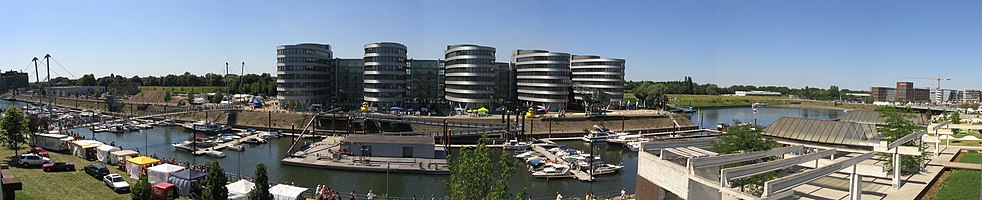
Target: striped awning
824,131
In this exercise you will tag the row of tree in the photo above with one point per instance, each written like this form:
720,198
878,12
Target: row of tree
250,83
687,86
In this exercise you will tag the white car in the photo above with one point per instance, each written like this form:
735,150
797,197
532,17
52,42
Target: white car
27,160
116,182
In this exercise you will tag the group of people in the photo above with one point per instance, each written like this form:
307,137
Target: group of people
322,192
185,164
592,196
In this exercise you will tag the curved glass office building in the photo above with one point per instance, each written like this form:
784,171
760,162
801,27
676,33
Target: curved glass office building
470,71
385,74
602,78
543,78
303,75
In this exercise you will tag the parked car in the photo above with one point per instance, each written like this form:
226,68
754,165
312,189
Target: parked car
96,170
58,166
39,151
28,160
116,182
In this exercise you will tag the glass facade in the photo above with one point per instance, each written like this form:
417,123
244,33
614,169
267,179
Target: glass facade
385,74
304,75
543,78
470,76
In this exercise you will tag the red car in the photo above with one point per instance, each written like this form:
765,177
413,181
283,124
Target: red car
58,166
39,151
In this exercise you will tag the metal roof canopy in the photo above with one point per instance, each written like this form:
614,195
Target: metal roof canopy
658,145
695,163
760,168
779,185
824,131
873,117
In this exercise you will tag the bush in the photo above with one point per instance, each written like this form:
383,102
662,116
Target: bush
141,190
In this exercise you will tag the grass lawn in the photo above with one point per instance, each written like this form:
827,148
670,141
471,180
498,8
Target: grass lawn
961,184
715,100
185,89
971,158
61,185
973,143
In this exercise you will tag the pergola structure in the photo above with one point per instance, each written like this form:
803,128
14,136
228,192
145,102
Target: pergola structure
691,170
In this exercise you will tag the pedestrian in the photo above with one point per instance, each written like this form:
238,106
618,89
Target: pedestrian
370,195
559,196
414,197
623,193
587,196
353,196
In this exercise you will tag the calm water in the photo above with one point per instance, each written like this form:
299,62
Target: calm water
158,141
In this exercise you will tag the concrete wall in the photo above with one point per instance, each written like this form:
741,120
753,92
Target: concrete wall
672,177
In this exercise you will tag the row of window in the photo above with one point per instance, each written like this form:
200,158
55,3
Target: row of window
303,93
303,59
302,68
385,50
545,73
610,83
540,58
385,59
302,51
480,61
553,81
384,86
471,87
384,68
600,76
304,85
619,64
305,76
470,78
535,66
617,70
470,52
543,96
471,70
385,94
384,77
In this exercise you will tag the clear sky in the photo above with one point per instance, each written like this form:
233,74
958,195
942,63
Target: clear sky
853,44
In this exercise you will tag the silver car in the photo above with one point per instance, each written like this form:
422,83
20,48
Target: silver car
116,182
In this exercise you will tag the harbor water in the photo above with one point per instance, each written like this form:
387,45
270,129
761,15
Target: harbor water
158,141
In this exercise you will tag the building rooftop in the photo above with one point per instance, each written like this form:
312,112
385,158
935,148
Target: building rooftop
824,131
388,139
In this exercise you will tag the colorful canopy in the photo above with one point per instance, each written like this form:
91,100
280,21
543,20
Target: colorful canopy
143,160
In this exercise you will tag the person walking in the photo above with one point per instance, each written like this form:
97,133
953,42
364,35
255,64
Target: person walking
353,196
559,196
370,195
623,193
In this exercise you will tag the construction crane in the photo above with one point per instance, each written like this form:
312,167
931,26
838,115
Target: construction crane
939,79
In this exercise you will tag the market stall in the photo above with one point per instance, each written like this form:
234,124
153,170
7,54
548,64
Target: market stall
84,148
287,192
102,153
118,157
187,180
160,173
135,166
239,190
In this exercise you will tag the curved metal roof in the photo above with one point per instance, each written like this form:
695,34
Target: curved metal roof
824,131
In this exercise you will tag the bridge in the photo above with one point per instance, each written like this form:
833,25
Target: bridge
424,121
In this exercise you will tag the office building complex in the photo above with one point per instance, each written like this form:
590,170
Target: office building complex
543,78
596,78
469,78
423,83
385,74
904,92
470,75
971,96
303,75
12,80
944,96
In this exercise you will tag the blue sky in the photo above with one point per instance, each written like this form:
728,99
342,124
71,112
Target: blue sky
853,44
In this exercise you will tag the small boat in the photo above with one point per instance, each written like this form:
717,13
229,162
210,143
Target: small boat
215,154
607,169
255,140
185,146
516,145
553,170
526,154
237,147
598,134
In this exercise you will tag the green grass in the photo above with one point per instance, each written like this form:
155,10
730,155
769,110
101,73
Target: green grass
185,89
973,143
961,184
62,185
971,158
714,100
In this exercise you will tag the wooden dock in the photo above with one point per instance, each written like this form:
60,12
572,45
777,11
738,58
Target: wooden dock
579,175
225,145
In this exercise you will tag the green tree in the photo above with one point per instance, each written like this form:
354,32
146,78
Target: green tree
898,125
955,117
745,139
215,182
217,98
261,190
14,127
141,190
87,80
476,175
167,96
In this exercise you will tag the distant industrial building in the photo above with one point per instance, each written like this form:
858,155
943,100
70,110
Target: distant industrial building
944,96
904,92
756,93
971,96
12,80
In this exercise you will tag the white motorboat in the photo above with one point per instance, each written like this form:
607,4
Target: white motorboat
552,170
254,140
598,134
185,146
606,169
516,145
237,147
213,153
526,154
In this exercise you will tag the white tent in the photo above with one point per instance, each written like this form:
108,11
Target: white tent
118,157
102,153
287,192
160,173
240,189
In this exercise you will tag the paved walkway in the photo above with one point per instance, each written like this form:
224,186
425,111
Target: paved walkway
836,186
